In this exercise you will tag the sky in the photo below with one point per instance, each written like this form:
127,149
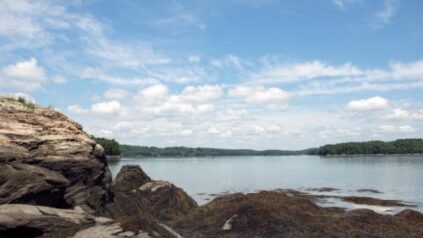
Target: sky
288,74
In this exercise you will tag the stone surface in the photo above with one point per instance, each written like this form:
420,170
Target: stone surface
285,214
136,195
43,153
110,231
21,220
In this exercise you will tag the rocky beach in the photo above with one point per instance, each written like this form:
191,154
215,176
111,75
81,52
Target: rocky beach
55,182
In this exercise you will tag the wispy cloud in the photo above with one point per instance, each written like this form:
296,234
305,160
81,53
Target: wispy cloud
385,15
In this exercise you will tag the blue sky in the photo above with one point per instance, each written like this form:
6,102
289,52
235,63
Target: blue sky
233,74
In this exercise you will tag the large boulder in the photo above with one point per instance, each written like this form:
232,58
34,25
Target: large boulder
47,159
136,195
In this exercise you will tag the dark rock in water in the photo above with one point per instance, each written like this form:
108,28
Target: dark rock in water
46,159
276,214
375,201
366,190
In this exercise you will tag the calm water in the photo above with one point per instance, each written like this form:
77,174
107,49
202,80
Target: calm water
398,177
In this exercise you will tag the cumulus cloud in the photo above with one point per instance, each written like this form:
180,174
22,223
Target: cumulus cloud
204,93
109,107
398,113
157,100
259,94
368,104
116,94
76,109
24,75
396,129
418,115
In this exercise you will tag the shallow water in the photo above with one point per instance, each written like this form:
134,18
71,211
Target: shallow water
397,176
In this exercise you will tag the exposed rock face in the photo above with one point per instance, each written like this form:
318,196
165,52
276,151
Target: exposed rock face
281,214
20,220
165,201
46,159
136,195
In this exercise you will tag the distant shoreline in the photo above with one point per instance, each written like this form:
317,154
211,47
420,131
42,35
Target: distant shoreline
116,158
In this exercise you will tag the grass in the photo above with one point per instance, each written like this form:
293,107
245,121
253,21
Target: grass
28,104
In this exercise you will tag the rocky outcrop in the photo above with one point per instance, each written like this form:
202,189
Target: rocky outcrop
20,220
284,214
46,159
136,195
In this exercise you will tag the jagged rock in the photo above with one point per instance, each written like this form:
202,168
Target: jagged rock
21,220
136,195
130,177
166,201
42,152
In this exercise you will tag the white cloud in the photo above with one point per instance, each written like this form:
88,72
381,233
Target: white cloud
154,91
118,94
109,107
212,130
283,73
204,93
186,132
194,59
418,115
59,79
398,113
373,103
25,75
76,109
396,129
260,94
228,61
385,15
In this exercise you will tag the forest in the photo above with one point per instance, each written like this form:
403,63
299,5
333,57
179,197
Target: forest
401,146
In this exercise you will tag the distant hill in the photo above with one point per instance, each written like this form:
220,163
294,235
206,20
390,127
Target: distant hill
402,146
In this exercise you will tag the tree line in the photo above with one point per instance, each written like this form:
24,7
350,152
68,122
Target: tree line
401,146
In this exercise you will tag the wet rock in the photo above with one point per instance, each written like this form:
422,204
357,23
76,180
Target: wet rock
366,190
42,152
277,214
375,201
165,201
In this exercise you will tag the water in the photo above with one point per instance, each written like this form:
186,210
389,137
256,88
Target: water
397,176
